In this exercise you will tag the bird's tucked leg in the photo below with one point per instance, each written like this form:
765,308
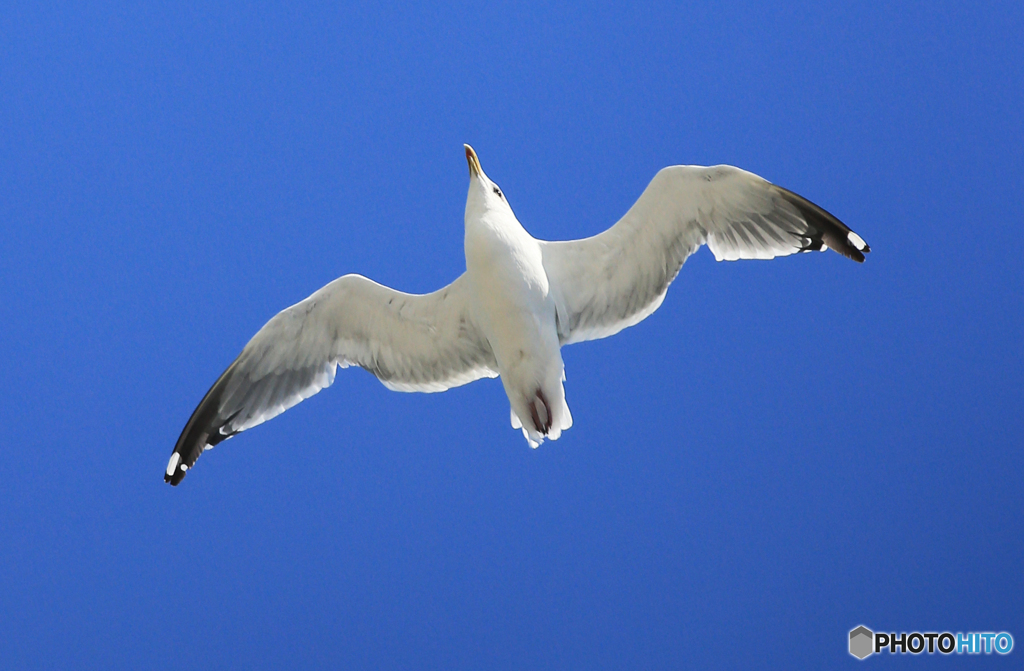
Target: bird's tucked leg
540,412
538,403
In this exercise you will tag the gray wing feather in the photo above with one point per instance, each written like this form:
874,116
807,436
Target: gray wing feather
617,278
410,342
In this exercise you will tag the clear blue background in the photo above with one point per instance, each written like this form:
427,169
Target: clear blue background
784,451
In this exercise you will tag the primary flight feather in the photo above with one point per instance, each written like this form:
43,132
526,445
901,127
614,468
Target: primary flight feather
518,302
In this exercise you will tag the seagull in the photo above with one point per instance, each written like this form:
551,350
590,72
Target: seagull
519,301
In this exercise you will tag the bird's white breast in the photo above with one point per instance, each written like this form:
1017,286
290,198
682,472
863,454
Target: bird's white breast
510,289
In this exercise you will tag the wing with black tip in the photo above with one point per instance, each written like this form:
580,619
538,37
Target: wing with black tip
617,278
410,342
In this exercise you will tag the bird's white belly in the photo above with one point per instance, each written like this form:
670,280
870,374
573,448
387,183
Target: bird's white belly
515,311
510,291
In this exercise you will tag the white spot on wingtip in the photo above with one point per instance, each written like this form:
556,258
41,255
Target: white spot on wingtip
173,463
856,241
184,467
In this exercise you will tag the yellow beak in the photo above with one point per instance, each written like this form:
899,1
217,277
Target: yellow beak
474,162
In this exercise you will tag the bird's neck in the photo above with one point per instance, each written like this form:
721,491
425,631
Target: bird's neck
494,235
497,224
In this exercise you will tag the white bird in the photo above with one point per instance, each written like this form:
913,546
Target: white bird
519,301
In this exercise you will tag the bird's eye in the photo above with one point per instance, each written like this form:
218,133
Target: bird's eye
498,191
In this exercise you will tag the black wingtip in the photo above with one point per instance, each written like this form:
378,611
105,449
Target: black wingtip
849,252
202,430
176,477
828,230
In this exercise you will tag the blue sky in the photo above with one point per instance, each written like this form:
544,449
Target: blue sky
784,451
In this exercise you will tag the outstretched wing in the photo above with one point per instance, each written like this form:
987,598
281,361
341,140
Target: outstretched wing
615,279
410,342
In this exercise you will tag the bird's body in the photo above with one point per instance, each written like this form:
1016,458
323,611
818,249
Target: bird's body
513,304
519,301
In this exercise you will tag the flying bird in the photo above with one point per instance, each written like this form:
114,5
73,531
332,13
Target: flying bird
519,301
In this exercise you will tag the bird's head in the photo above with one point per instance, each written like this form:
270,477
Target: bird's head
484,195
